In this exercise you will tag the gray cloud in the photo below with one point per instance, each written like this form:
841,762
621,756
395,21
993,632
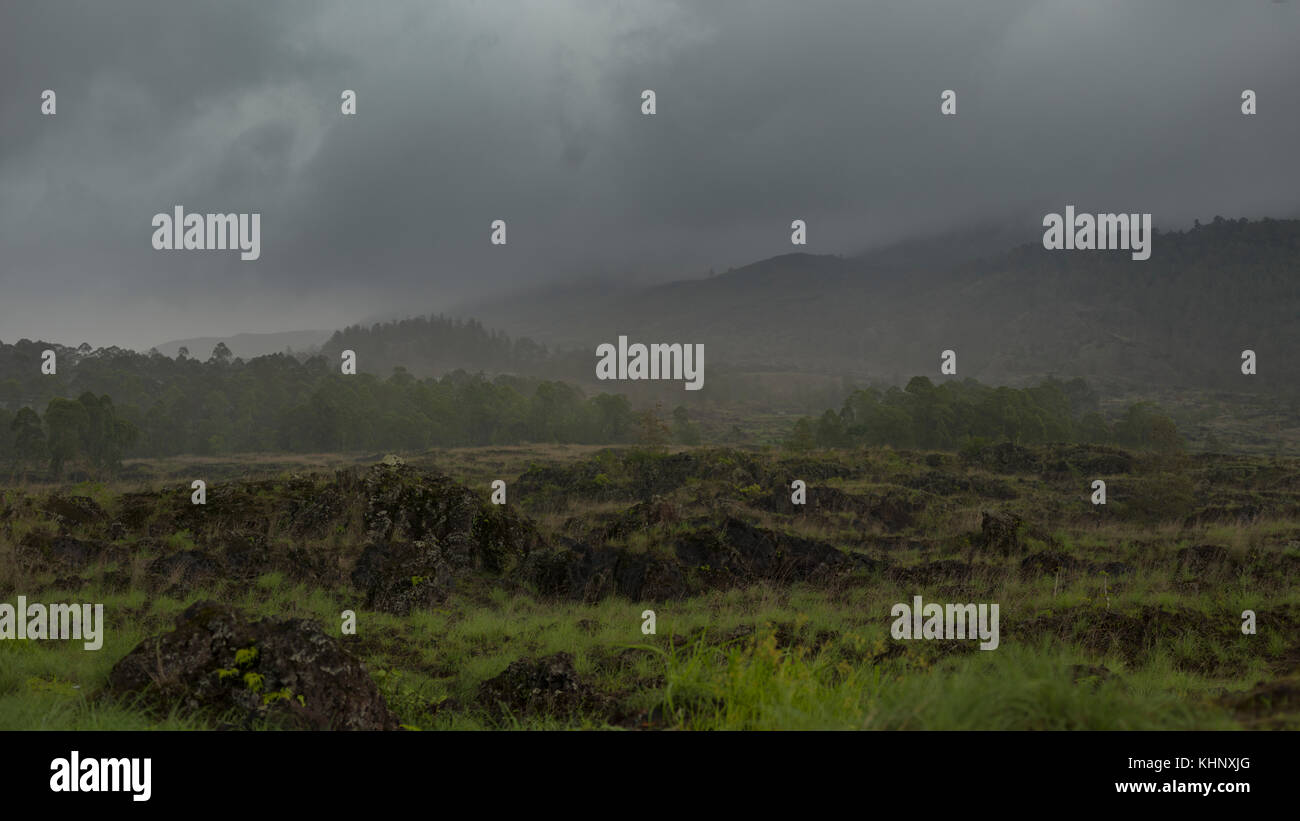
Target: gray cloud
529,112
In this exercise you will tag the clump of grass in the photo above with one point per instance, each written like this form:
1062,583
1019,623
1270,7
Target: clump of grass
761,686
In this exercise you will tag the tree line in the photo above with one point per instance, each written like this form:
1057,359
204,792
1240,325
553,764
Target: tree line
957,414
147,405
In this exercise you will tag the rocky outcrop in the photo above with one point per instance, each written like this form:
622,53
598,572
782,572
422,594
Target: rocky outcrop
286,671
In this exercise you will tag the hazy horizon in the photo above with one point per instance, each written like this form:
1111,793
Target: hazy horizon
826,112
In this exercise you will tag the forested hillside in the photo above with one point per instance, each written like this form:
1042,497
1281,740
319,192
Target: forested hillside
101,406
434,345
1181,318
968,414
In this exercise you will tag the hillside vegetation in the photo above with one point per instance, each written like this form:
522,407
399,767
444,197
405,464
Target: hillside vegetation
768,614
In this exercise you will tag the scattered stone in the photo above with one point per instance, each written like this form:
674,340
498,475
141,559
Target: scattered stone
398,577
588,573
926,573
75,510
1047,562
183,571
1201,557
287,671
1000,531
545,686
1089,674
1272,704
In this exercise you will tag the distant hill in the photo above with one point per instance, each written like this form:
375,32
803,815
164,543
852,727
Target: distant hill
435,345
247,346
1182,317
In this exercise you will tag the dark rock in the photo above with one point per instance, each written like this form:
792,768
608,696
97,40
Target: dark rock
897,508
405,505
183,571
1269,705
136,509
1202,557
926,573
116,581
739,552
821,499
1089,674
992,488
318,514
942,484
66,552
287,671
75,510
75,552
1048,562
425,532
1001,531
589,573
642,516
1088,460
1116,569
245,554
398,577
546,686
1004,457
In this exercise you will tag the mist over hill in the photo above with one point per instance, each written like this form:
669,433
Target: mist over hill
797,333
247,346
1181,318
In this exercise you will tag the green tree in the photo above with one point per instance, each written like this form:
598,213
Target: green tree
653,431
221,354
29,447
802,437
683,431
68,424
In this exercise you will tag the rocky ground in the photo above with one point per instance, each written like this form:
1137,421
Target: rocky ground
767,613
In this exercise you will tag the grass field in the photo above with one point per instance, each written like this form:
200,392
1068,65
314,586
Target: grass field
767,614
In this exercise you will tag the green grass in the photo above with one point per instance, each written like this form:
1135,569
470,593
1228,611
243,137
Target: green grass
764,656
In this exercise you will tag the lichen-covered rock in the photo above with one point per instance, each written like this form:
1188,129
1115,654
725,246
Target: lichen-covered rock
545,686
590,573
285,670
1004,457
425,531
739,552
183,571
1000,531
398,577
75,510
1200,558
40,550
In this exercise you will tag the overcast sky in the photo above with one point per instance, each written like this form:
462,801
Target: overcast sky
530,112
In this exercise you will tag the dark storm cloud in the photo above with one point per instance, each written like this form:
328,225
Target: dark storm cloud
529,112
